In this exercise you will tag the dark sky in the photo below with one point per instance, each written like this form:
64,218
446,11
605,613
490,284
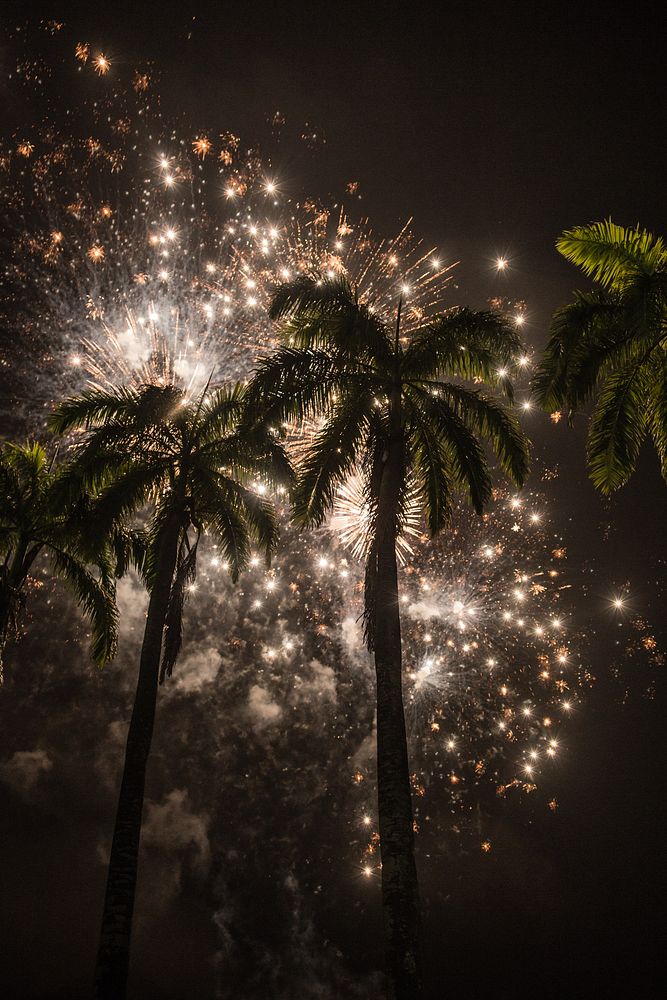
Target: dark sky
495,129
495,126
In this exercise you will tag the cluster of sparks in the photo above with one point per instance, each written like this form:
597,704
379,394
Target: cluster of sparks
164,274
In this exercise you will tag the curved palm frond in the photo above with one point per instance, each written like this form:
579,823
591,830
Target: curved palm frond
296,384
96,600
657,410
251,452
220,412
618,427
131,490
28,461
326,312
486,418
258,513
331,457
612,255
432,473
94,406
127,548
90,468
458,449
228,525
583,335
477,345
497,425
310,293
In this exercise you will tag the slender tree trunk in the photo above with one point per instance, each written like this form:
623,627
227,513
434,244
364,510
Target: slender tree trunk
400,890
114,949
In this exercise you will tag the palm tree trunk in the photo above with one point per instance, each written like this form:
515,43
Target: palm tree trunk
114,949
400,890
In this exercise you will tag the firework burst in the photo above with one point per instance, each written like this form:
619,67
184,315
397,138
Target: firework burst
137,251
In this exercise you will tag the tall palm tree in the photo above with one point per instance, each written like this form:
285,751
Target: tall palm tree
397,409
35,521
190,463
609,346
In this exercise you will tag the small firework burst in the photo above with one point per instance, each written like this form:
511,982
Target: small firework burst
202,147
102,64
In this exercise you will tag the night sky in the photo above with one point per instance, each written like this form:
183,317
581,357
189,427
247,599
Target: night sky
494,127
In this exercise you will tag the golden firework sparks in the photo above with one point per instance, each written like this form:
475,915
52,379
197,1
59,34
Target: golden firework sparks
102,64
202,147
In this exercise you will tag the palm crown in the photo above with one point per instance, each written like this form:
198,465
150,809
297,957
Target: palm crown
191,461
343,364
609,346
36,518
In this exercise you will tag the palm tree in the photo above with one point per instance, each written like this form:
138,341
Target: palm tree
191,463
609,346
389,413
35,521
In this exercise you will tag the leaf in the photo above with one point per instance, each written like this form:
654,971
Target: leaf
96,601
330,458
612,254
618,427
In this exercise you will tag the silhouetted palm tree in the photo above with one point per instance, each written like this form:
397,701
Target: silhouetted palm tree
400,413
191,462
34,521
609,346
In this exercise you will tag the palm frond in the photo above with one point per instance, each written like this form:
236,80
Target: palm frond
657,409
28,460
128,547
186,574
260,517
160,406
89,469
231,529
311,293
324,312
128,493
618,427
252,452
220,412
94,406
612,254
583,335
457,449
296,384
431,469
330,458
97,602
471,344
486,418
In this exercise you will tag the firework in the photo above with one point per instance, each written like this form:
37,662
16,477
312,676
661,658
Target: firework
351,521
138,251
